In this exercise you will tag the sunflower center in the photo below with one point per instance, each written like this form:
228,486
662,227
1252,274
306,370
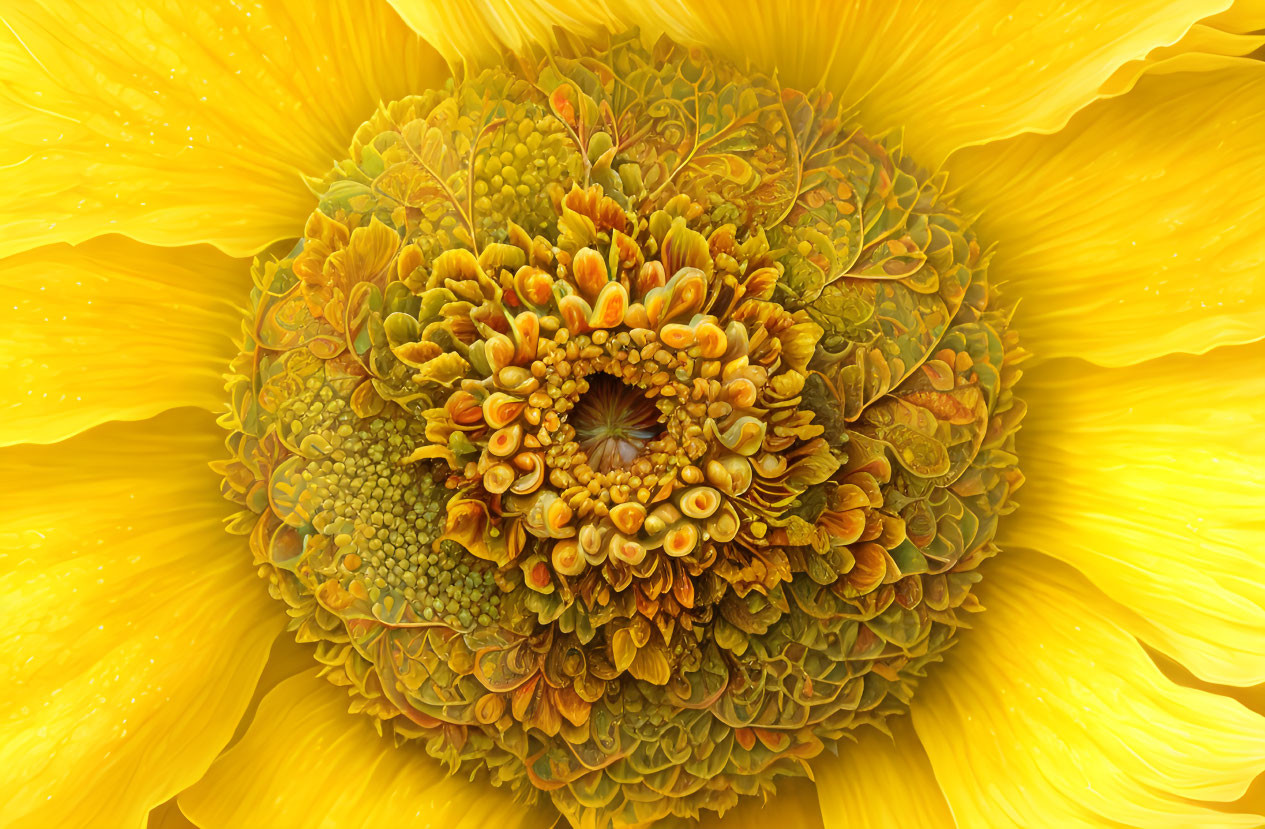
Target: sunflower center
613,422
625,429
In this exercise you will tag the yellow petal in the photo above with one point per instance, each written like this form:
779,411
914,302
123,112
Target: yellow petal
480,31
950,74
1244,16
134,625
1049,713
286,659
1139,230
1148,480
1202,39
1253,697
881,782
113,330
168,816
1235,32
305,754
795,804
183,123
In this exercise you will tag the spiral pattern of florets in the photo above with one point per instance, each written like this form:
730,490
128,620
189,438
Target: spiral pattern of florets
627,429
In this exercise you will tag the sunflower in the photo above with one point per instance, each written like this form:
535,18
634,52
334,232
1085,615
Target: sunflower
618,414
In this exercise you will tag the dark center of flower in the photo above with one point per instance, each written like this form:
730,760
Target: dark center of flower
613,422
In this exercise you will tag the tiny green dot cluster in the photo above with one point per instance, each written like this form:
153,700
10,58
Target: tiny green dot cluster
512,167
383,517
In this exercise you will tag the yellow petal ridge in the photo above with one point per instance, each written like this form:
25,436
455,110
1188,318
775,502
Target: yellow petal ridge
1203,39
134,627
1139,230
177,124
1147,479
305,754
1051,714
113,330
1242,17
880,782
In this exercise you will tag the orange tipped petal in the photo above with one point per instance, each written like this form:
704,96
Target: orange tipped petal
575,313
533,285
501,409
650,276
567,559
589,271
628,517
680,540
699,502
464,409
623,549
498,478
527,326
675,335
505,442
610,307
500,352
712,342
741,393
533,473
688,290
636,316
557,515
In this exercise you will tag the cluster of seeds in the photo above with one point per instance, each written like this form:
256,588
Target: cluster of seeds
513,166
358,503
384,521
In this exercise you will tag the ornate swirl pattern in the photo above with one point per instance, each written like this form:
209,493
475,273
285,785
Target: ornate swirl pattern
627,429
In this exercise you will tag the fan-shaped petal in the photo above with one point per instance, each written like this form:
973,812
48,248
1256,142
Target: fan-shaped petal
134,628
1051,714
113,330
1148,480
1139,230
179,123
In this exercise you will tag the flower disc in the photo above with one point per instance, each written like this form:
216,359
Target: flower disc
627,428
